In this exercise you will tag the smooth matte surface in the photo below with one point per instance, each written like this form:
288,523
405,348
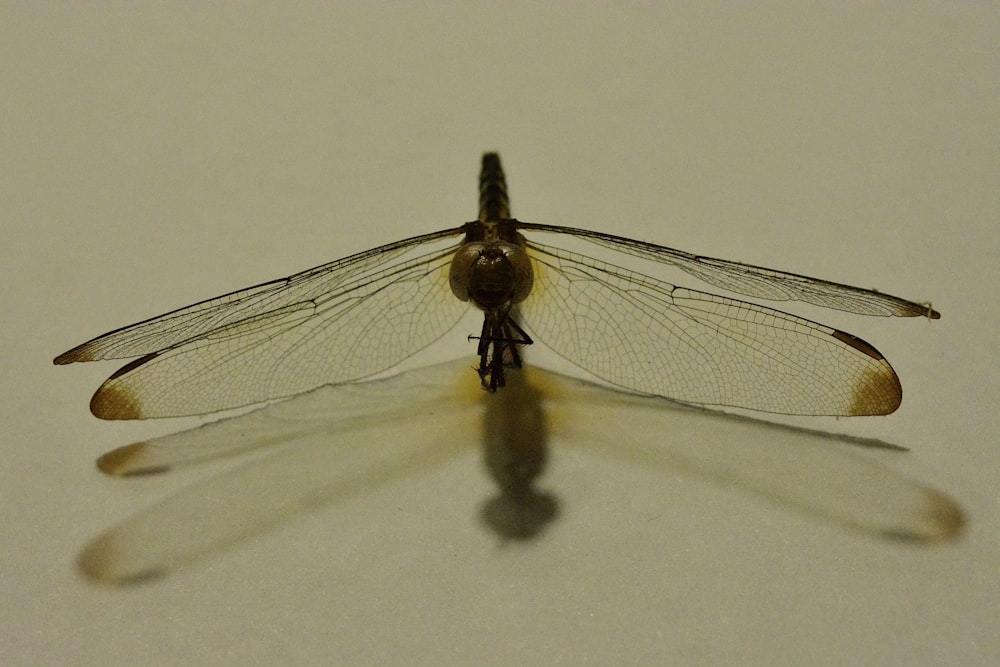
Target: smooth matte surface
154,156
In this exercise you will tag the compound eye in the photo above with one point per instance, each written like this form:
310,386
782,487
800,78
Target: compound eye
524,274
459,275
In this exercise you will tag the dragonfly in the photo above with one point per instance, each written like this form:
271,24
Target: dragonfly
356,317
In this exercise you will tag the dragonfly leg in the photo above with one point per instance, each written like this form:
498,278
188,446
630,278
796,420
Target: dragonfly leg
498,348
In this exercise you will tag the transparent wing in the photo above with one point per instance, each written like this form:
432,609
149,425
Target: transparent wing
655,338
338,322
335,443
800,468
755,281
319,448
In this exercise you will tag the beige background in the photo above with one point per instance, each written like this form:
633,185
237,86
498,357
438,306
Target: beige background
151,157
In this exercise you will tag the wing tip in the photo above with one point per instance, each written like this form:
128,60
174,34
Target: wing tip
879,392
89,351
926,310
905,308
112,401
70,356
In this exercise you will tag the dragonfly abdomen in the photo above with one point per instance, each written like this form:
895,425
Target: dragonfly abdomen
493,202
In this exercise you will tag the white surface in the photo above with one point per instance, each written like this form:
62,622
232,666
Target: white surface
152,157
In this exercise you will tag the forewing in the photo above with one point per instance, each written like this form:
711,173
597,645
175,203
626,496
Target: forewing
756,281
336,323
296,292
652,337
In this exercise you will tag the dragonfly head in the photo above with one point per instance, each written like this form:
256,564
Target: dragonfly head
491,275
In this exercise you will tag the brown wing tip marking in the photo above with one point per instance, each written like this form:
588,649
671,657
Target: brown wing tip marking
101,561
84,352
924,309
68,357
128,462
112,401
878,392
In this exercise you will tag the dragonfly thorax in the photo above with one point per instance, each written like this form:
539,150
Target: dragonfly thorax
491,274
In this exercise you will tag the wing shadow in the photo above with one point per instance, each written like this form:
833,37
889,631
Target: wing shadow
337,442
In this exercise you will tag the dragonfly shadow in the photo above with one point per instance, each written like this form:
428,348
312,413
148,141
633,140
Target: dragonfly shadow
515,439
340,442
312,451
318,449
821,474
